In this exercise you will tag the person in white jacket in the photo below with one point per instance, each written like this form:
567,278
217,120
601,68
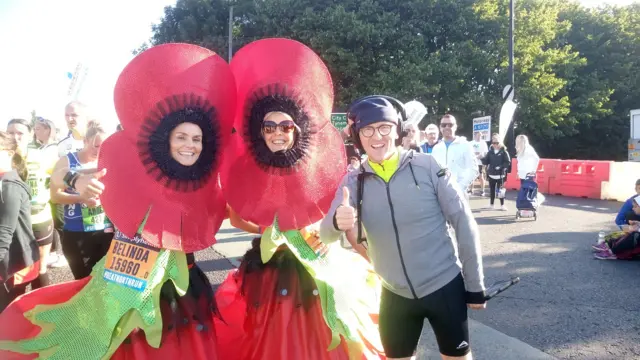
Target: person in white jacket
528,159
456,154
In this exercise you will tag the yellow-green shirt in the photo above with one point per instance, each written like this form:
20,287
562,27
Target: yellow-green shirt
387,168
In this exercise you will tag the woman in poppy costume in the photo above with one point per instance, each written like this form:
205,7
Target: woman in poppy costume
286,160
145,299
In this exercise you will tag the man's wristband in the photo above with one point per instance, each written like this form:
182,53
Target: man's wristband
475,297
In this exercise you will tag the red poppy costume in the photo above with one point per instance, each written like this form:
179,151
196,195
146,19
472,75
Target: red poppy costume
285,301
145,299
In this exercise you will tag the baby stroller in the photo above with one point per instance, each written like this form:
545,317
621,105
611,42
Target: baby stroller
527,201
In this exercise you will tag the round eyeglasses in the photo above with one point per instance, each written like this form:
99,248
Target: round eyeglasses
383,130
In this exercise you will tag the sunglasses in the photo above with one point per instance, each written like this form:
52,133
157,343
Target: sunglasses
495,143
383,130
445,125
270,127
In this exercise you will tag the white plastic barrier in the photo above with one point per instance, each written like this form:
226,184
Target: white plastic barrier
622,181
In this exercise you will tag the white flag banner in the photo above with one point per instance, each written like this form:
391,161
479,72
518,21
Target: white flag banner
506,116
415,112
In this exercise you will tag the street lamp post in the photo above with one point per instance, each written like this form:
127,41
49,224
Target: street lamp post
511,69
511,28
230,32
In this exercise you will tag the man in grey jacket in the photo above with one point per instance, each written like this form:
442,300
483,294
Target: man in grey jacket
405,202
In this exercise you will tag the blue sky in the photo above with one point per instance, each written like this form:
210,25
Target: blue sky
42,40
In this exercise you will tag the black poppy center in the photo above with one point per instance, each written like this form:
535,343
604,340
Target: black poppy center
155,149
286,159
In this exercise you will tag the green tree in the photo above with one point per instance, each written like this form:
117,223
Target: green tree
608,85
452,56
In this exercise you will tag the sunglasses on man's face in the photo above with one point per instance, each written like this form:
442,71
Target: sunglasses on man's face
270,127
446,125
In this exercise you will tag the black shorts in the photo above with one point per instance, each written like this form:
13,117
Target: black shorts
84,249
401,320
44,233
480,170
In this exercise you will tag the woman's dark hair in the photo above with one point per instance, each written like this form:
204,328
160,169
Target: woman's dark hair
273,98
21,122
8,143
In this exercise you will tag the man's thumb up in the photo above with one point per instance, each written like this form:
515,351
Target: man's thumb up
345,196
345,217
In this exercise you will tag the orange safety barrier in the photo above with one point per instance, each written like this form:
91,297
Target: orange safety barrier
513,183
547,171
580,178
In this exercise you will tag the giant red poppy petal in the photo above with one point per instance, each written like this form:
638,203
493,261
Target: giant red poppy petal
182,207
167,70
293,76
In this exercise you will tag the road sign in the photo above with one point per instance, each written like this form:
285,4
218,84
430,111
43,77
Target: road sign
339,120
507,93
482,125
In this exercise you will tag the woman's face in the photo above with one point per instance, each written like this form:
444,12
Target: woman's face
185,143
21,134
495,142
42,132
92,146
278,130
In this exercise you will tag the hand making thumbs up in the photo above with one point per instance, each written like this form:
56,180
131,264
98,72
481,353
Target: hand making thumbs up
345,213
89,185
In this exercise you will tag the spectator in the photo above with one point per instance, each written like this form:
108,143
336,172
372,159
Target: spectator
623,245
18,248
455,153
528,159
431,134
480,150
412,140
354,164
626,212
497,162
76,116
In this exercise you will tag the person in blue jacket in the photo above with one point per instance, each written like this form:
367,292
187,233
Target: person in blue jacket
626,212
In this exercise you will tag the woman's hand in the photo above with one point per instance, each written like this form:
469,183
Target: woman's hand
312,237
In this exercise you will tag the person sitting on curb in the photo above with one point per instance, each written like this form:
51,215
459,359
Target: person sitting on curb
405,198
626,211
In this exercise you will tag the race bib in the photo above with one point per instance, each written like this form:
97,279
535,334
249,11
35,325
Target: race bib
94,219
129,262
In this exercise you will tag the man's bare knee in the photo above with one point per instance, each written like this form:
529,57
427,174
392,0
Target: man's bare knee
465,357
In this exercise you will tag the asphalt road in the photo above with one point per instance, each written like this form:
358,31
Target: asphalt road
567,304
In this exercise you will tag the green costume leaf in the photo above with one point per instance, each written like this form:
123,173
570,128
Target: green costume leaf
95,321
